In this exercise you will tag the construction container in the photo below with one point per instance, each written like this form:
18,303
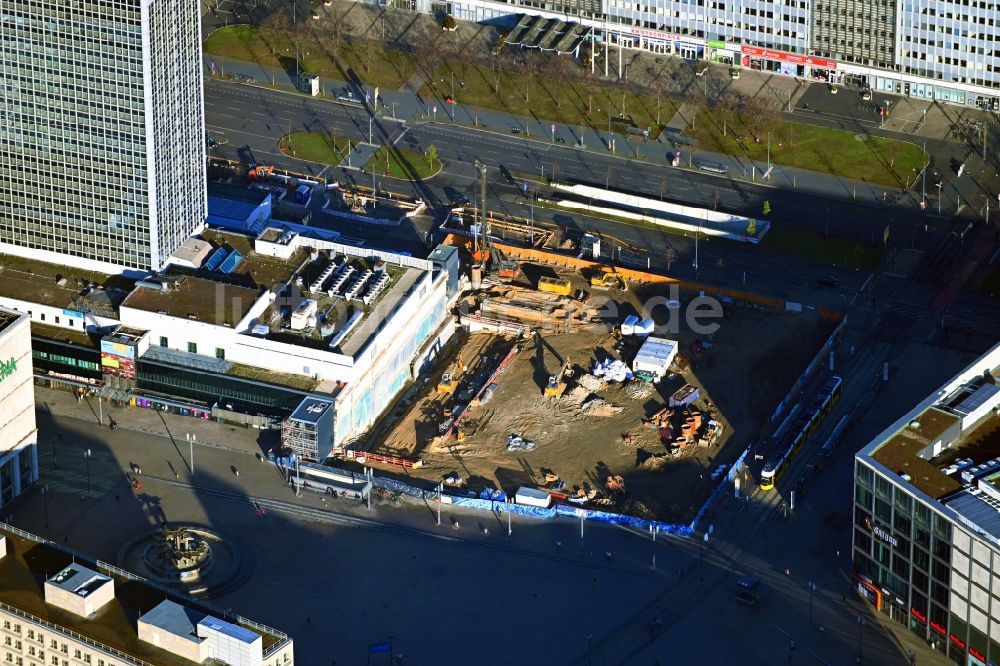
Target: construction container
554,286
628,325
533,497
654,357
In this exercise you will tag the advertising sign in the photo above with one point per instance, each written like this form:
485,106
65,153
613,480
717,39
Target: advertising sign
117,349
117,366
794,58
7,368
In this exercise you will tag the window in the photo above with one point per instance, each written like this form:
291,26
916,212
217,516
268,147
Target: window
163,341
42,315
220,353
57,320
193,347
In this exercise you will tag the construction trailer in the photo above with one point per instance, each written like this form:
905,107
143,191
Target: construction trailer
653,360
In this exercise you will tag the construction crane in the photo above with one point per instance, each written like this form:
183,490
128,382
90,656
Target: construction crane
557,383
483,250
449,380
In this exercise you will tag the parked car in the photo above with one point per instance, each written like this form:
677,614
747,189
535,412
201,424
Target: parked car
701,69
734,73
515,130
559,139
834,89
828,281
866,94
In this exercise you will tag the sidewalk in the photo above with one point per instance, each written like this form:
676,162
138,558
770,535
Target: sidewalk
161,424
410,108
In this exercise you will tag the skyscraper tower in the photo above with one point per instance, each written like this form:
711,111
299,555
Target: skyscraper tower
102,139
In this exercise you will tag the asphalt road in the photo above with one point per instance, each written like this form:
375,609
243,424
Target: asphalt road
250,121
253,119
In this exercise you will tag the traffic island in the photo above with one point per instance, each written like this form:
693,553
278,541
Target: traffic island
403,164
318,147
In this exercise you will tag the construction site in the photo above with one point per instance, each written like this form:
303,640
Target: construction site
568,381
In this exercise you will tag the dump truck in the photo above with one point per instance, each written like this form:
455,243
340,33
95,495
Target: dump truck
555,286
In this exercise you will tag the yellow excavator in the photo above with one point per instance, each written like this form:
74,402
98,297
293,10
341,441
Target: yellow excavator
449,380
557,383
611,279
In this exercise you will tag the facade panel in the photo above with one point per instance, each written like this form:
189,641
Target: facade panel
101,130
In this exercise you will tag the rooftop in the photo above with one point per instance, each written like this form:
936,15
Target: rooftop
61,334
78,579
195,298
901,453
175,619
948,446
56,285
8,317
257,269
311,410
30,562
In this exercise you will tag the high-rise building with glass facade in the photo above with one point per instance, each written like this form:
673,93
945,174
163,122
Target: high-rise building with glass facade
926,529
102,145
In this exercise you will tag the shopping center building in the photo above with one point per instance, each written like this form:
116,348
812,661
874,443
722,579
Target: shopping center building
240,328
18,434
926,529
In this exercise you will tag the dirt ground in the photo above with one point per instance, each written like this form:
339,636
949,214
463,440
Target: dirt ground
580,437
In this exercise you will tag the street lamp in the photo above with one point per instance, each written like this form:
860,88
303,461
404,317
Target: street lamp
590,638
698,233
370,120
939,197
86,455
861,625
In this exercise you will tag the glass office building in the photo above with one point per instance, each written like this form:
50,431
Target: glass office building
102,146
926,528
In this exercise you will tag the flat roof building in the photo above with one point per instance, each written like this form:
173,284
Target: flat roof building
91,613
926,529
102,142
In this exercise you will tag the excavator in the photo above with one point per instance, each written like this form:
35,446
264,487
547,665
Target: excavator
557,382
449,381
259,172
610,279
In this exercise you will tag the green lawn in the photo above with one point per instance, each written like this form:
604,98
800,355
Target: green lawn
315,147
548,98
822,149
402,163
373,64
813,245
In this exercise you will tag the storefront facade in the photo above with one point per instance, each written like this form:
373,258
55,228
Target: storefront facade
789,64
18,432
723,53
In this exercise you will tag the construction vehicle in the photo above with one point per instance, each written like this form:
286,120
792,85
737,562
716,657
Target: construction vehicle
609,280
449,381
554,286
557,382
260,171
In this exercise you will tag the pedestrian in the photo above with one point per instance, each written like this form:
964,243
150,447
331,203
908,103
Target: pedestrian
59,436
66,539
558,544
608,555
309,619
838,554
595,582
117,497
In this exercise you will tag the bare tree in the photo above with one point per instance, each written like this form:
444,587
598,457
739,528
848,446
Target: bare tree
762,116
557,71
728,110
273,28
530,70
500,61
695,102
